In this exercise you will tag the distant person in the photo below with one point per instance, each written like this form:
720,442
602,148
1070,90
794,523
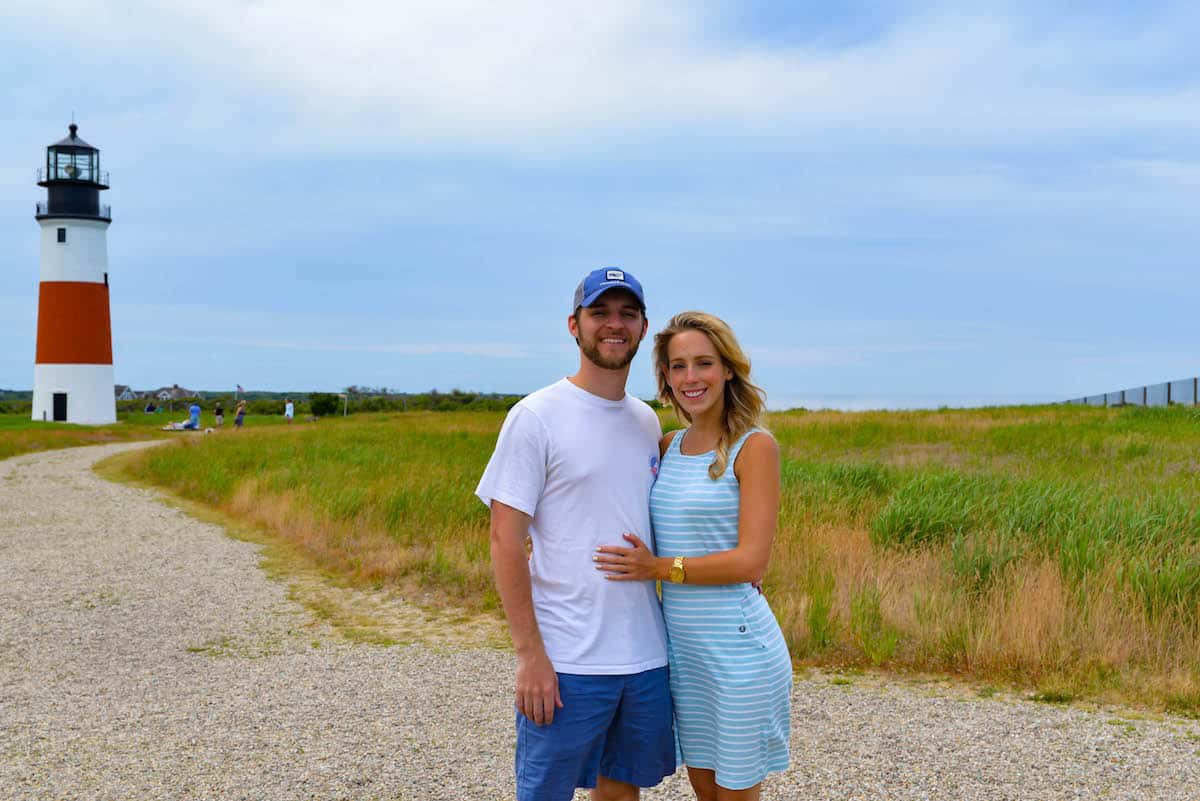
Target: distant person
150,408
289,410
193,423
219,414
572,469
715,507
239,414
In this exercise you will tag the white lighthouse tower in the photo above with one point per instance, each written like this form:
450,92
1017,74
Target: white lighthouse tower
73,369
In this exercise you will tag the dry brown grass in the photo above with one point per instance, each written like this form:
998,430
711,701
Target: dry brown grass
1027,628
361,550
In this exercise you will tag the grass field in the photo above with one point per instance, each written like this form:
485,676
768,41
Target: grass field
19,434
1048,547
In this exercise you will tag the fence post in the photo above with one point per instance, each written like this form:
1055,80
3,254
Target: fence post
1146,396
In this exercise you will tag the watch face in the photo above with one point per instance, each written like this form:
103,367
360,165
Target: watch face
676,572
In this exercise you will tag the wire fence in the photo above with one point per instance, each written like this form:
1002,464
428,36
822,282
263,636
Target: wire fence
1182,392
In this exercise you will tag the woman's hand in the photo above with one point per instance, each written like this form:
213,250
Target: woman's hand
635,563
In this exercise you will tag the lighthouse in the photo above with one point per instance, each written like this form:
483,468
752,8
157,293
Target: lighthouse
73,368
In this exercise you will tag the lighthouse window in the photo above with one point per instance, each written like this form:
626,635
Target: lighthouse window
62,234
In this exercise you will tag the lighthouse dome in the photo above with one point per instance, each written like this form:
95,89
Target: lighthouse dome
73,180
73,159
72,139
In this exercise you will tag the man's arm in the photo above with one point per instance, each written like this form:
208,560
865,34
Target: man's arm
536,691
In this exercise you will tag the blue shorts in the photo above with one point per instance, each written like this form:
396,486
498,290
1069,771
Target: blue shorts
620,727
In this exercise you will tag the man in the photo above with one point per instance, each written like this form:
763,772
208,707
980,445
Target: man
572,470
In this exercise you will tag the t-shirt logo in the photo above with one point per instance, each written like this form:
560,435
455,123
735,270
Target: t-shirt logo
654,466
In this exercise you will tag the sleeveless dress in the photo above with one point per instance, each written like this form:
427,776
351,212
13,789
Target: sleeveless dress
731,675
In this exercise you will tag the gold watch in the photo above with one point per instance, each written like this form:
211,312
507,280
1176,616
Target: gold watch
677,574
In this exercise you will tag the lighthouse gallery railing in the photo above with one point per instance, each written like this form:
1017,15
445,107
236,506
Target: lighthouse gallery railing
42,209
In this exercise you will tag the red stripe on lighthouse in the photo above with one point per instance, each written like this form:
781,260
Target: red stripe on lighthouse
73,323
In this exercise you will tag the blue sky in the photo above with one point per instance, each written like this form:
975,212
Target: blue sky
892,203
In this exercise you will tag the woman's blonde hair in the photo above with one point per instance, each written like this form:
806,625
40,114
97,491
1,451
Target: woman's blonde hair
744,401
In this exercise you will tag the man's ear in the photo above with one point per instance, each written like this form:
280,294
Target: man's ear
573,326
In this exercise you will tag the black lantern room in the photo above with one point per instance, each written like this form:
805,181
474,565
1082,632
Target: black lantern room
73,180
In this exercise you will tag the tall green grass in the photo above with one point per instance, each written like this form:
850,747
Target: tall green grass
1052,546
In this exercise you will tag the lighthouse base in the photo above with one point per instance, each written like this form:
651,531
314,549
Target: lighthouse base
74,393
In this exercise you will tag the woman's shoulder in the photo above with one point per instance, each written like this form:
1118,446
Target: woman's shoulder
665,442
758,447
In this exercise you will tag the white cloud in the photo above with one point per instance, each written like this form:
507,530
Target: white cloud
539,79
856,354
498,350
224,328
1173,172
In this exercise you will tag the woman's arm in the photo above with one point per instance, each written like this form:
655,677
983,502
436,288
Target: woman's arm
757,470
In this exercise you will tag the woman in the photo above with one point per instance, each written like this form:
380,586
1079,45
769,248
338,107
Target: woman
714,509
239,417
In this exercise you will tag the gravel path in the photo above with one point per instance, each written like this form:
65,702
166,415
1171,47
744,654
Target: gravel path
143,654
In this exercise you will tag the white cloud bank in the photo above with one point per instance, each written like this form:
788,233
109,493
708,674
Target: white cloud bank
537,78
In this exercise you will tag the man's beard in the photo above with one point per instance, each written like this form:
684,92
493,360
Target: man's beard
591,349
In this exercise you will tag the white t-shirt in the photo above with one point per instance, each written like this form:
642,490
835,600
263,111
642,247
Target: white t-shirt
289,410
582,467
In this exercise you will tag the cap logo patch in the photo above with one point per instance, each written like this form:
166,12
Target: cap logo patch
614,275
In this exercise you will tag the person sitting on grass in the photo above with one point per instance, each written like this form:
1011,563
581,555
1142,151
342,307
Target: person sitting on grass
193,423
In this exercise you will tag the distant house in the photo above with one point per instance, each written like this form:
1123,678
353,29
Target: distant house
174,392
123,392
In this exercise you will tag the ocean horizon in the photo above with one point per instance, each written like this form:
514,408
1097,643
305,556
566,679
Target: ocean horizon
782,401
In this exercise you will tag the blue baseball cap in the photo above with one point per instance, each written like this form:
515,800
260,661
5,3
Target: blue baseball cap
597,282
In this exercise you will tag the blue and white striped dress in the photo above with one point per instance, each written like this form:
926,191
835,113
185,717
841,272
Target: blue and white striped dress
731,675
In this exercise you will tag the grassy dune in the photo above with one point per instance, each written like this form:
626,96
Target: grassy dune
1052,547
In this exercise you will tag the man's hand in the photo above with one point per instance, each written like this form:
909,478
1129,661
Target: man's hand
537,688
536,693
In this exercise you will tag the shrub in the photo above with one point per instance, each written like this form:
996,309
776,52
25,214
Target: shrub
264,406
324,404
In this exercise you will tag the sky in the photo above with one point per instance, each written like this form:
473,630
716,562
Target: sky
892,204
